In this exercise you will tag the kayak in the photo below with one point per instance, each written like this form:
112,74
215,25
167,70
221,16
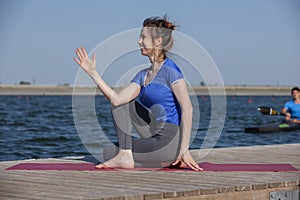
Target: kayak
277,127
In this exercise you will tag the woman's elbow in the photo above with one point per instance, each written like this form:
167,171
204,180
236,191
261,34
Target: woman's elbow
118,101
115,102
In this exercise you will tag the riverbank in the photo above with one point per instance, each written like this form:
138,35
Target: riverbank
198,90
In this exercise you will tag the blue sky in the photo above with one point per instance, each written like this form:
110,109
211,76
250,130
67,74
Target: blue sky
252,42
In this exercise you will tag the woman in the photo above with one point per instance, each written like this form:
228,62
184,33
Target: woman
156,103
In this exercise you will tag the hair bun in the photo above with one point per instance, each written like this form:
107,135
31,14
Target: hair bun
169,25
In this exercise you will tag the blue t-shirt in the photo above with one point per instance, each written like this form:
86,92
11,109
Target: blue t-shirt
294,109
158,96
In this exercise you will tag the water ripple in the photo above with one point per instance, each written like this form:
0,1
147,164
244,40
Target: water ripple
43,126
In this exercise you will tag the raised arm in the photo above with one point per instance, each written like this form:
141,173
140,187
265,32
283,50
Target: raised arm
89,66
181,93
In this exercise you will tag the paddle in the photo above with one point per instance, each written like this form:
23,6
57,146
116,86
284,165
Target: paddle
268,111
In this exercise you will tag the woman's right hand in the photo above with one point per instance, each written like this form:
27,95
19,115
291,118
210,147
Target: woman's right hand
88,65
186,160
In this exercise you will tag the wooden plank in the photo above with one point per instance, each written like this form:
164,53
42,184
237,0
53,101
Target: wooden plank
154,184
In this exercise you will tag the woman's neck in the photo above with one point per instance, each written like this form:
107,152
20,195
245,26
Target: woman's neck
157,57
157,61
156,65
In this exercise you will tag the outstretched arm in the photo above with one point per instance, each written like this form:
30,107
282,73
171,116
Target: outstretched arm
89,66
181,93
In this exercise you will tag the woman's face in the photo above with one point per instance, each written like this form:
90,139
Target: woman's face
146,42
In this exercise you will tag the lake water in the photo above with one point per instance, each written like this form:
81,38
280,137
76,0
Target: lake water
43,126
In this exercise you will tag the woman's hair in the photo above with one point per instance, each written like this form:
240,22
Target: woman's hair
163,28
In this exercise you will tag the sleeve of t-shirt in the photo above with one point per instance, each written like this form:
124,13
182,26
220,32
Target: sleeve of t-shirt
138,79
287,105
174,75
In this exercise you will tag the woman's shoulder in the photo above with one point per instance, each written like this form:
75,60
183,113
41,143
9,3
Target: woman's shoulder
139,76
171,71
143,71
170,64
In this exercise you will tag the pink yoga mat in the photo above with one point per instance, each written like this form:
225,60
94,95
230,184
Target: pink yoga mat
205,165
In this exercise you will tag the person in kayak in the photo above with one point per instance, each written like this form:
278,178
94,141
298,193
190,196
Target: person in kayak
291,109
156,103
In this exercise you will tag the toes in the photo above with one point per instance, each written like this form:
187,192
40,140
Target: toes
103,166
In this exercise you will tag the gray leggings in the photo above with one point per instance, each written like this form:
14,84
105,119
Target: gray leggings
157,142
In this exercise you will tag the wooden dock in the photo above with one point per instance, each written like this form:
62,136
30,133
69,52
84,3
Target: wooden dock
19,184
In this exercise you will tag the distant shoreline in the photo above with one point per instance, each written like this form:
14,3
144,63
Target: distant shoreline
198,90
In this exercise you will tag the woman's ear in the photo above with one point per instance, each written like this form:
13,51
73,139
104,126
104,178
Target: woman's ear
158,42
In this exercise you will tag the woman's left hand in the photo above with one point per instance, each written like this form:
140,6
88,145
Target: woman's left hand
186,160
83,60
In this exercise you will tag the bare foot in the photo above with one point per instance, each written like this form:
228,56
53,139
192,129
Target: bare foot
124,159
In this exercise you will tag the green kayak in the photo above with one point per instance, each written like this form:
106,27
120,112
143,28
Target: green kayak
277,127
